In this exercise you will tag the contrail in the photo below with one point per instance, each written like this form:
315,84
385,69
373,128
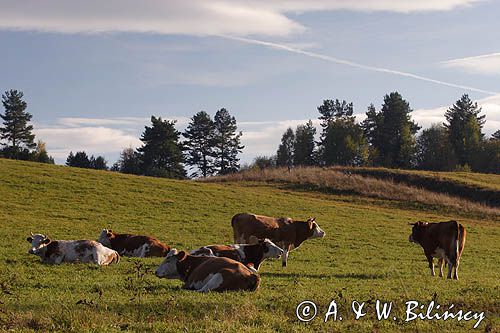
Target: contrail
352,64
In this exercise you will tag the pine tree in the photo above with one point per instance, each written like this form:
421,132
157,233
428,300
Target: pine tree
98,163
16,131
199,144
392,132
285,153
304,145
227,143
161,153
464,125
79,160
372,125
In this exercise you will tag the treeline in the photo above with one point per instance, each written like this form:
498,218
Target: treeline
207,147
388,137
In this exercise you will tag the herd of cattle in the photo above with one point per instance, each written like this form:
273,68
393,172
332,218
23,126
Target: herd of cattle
235,267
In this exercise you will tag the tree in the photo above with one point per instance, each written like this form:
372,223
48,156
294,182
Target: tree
304,145
342,141
79,160
392,132
129,162
489,159
434,151
98,163
285,153
496,135
464,125
16,131
329,111
161,153
41,155
372,125
199,144
264,162
227,143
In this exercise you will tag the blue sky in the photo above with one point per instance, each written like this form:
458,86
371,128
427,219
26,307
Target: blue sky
93,72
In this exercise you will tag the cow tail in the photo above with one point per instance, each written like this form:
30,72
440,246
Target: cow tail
254,282
456,244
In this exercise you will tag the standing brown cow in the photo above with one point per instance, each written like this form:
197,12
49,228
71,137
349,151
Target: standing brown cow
444,240
283,231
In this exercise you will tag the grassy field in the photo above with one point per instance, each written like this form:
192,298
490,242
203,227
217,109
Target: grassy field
365,256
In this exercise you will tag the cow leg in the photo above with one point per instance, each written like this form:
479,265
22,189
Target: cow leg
441,264
431,264
450,267
284,257
455,276
212,284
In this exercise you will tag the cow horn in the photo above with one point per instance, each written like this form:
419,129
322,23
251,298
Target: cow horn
31,234
411,223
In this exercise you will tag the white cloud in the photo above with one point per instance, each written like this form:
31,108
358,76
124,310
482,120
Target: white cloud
488,64
191,17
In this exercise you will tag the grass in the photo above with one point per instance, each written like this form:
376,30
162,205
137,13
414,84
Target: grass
365,256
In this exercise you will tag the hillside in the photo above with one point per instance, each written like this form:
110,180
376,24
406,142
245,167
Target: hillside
364,256
479,187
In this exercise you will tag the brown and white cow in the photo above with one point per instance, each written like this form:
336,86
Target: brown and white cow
247,254
285,232
74,251
133,245
443,240
201,273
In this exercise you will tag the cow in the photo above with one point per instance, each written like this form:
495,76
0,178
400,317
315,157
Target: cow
133,245
203,274
248,254
284,232
443,240
73,251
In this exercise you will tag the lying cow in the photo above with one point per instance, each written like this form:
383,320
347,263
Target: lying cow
204,274
75,251
444,240
285,232
133,245
248,254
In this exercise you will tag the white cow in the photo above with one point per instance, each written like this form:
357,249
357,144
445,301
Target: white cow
75,251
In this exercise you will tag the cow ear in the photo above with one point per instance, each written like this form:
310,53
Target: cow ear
181,255
46,241
409,223
312,219
29,239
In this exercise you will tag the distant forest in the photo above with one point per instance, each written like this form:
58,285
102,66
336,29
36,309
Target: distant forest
387,137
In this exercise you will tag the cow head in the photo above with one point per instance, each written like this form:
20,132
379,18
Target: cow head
314,230
168,268
271,250
417,231
38,243
105,237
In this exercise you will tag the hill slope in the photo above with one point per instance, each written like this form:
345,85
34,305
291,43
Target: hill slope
365,256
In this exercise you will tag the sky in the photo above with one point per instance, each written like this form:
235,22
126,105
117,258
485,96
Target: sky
93,72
